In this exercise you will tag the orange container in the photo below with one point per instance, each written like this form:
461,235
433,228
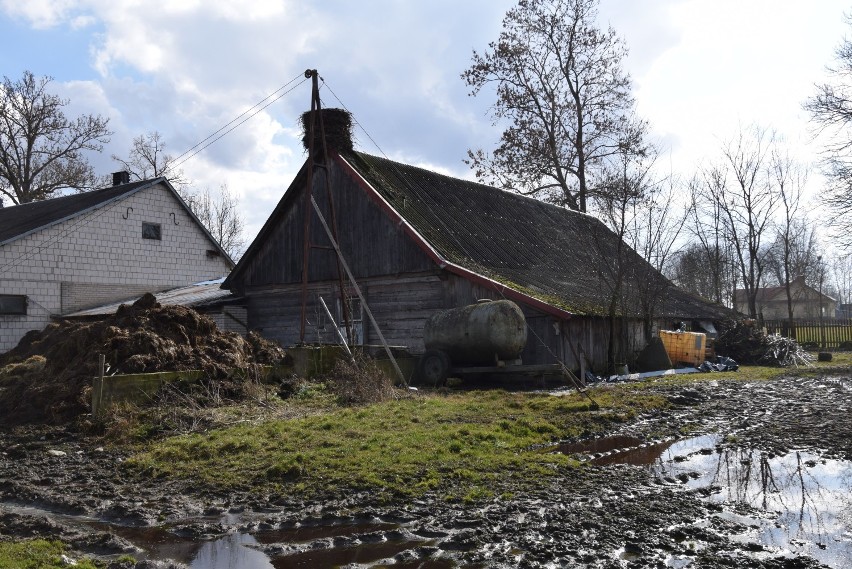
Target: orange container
684,347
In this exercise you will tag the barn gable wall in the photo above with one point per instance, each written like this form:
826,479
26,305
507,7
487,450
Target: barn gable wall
371,243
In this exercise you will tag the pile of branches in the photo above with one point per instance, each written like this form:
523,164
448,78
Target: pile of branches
785,352
744,342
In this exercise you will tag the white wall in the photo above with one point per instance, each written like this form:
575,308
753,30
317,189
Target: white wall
100,257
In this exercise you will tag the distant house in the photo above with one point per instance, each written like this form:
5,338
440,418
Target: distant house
66,254
772,301
419,242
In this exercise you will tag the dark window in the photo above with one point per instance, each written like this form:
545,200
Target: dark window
13,304
151,231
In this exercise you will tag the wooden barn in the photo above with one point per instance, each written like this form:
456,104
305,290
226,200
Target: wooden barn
418,242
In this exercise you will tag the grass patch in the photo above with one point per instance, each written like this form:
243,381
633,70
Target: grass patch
458,444
37,553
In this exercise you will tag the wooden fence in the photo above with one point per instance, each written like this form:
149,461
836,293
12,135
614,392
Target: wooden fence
827,334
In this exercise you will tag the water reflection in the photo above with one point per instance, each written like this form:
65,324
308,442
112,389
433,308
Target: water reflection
805,501
230,552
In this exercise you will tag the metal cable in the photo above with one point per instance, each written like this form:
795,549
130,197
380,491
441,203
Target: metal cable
177,162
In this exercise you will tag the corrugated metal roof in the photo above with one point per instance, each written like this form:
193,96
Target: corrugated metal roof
197,295
556,256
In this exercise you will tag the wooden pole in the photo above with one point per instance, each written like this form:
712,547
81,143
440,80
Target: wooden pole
101,371
336,329
360,294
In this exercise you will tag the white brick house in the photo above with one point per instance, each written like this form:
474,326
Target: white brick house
70,253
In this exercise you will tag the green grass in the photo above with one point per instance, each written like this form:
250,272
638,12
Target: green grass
36,554
458,444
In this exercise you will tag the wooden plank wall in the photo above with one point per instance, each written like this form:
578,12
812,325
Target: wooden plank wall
400,305
551,339
372,244
401,308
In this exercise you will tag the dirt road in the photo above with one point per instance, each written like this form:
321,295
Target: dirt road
735,474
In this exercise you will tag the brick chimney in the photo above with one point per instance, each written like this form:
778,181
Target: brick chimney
119,178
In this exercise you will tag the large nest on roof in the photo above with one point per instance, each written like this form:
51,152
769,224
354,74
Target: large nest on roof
47,378
337,124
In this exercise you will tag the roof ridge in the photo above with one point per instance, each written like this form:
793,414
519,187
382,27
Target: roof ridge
128,186
508,192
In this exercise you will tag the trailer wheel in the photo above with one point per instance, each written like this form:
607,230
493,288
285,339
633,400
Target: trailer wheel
433,367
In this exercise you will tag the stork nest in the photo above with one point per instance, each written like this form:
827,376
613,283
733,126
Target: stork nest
337,124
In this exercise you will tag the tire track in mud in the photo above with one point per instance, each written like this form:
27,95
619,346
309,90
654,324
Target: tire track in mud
592,516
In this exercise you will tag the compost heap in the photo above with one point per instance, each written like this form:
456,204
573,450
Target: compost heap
47,378
743,341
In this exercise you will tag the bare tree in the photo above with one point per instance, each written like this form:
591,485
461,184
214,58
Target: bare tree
643,210
625,181
218,212
791,233
640,211
567,101
804,248
705,269
831,112
41,150
657,224
841,281
741,194
709,258
148,159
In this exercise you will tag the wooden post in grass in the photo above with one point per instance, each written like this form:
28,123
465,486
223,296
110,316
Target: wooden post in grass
101,371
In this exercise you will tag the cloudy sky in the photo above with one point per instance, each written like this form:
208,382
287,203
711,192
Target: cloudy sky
185,68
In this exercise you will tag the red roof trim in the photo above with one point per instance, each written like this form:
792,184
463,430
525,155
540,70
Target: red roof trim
389,209
427,248
506,291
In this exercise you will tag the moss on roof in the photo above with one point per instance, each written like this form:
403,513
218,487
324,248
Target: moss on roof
561,257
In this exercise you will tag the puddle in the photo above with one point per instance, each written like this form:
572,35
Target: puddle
230,552
245,550
615,450
593,446
795,504
312,532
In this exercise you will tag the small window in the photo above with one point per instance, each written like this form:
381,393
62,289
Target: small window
15,304
151,231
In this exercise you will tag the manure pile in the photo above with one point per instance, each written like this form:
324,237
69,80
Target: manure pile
47,377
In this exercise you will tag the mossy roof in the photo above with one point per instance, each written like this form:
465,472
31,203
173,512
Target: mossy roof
561,257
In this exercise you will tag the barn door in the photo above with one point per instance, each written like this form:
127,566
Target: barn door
356,315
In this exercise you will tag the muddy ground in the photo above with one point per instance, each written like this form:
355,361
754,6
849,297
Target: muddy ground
612,512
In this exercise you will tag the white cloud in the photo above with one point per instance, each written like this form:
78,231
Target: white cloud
40,14
187,67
